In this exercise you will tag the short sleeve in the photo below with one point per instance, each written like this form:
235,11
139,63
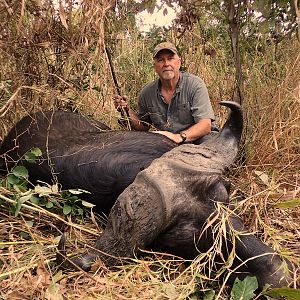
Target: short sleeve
201,107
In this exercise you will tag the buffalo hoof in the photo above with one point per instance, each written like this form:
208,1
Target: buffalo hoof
73,264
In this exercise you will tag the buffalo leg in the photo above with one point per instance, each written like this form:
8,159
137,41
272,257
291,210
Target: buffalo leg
258,259
133,223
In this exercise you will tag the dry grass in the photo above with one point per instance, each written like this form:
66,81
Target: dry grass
27,254
29,242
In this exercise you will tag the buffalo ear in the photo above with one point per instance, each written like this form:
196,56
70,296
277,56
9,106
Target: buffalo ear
227,185
213,188
219,190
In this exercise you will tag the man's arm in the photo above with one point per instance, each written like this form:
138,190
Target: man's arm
196,131
135,122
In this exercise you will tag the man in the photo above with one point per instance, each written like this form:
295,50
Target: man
177,104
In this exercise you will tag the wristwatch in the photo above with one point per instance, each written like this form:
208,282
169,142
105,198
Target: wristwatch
183,136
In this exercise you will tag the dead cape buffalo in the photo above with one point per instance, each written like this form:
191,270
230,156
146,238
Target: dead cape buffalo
168,206
81,153
167,200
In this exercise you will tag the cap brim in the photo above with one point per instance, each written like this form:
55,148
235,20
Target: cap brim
173,51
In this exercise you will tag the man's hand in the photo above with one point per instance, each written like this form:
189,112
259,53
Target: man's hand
121,103
172,136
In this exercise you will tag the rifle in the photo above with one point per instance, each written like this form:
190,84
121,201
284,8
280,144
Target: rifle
124,120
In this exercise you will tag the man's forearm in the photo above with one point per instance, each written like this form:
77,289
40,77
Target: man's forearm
121,103
135,122
198,130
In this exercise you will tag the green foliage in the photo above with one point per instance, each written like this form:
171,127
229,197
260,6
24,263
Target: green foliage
32,155
46,196
277,18
288,204
17,179
20,172
287,293
244,289
208,295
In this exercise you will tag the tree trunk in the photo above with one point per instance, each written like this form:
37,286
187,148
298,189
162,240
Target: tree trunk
298,17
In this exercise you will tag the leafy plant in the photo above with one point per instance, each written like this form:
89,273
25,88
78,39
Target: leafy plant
33,154
287,293
18,178
46,196
244,289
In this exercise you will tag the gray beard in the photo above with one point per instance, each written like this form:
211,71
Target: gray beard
168,75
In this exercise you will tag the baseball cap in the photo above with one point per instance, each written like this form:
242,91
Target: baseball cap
164,46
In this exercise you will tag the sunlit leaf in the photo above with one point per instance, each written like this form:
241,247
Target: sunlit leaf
30,223
12,179
288,204
87,204
46,190
42,190
49,204
67,209
287,293
263,177
54,188
77,191
18,207
20,172
58,276
244,289
17,188
35,199
30,157
25,198
36,151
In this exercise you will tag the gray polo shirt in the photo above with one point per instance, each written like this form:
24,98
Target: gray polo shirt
190,104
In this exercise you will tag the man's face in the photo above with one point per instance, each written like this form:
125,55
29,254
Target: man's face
167,64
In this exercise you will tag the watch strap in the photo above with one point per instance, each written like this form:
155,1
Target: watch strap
183,136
